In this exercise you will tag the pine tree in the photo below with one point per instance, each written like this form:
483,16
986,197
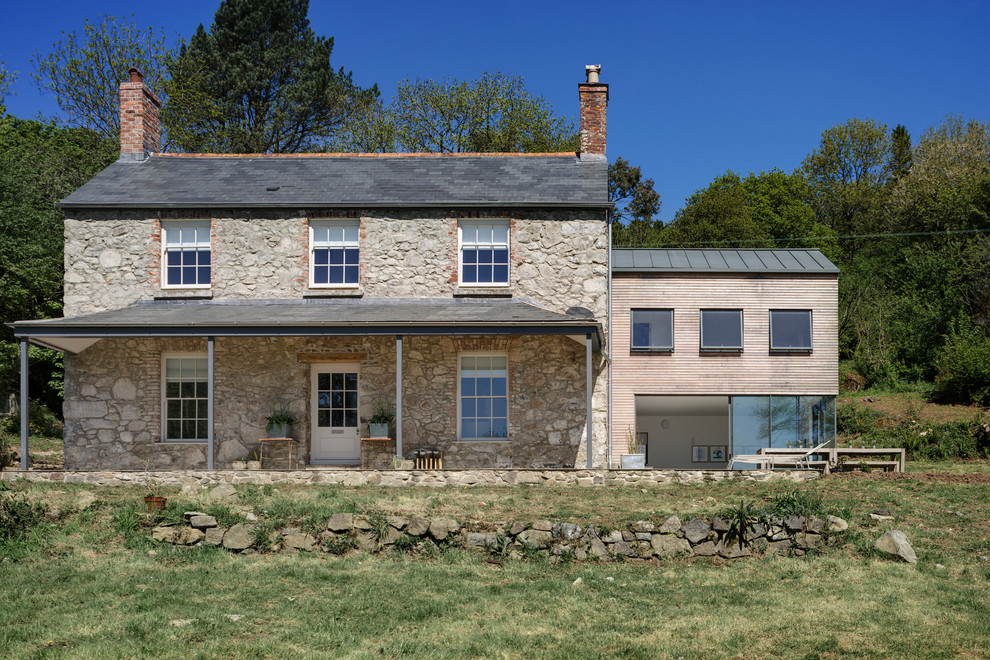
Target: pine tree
268,80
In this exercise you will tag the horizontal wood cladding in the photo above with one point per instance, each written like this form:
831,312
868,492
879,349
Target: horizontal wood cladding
687,370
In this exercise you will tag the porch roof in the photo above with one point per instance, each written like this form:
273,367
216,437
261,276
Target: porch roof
311,317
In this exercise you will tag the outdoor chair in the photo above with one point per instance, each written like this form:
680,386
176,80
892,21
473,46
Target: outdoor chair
801,461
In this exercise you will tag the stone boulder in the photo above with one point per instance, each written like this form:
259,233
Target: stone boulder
188,536
671,526
417,527
222,492
667,545
202,521
837,524
441,528
165,534
297,541
535,537
896,543
239,537
214,536
697,530
341,522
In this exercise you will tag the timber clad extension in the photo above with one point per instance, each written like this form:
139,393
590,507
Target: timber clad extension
689,281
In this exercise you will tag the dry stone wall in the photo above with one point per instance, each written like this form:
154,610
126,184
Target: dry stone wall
643,539
194,481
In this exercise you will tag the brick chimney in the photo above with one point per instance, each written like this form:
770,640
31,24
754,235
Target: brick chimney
140,127
594,101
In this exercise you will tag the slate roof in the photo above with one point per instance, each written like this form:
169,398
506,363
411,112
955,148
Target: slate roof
314,317
636,260
353,180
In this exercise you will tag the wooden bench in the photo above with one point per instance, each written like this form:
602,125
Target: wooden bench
886,466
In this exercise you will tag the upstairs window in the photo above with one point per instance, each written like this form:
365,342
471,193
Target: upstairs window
334,254
790,330
484,253
653,329
186,259
722,330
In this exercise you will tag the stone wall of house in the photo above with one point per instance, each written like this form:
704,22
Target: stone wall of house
558,260
113,398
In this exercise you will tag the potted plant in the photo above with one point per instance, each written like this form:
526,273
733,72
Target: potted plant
280,420
239,464
636,458
154,500
255,462
381,420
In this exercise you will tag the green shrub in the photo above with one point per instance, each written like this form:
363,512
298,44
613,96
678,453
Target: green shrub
963,366
851,420
18,517
41,421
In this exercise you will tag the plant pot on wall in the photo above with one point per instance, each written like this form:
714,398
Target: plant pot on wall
633,461
378,430
254,465
279,430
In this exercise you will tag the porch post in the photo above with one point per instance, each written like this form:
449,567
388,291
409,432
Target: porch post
24,403
209,403
587,369
398,396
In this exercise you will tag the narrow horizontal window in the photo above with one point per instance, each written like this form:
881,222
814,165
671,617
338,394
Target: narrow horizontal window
721,330
790,330
653,329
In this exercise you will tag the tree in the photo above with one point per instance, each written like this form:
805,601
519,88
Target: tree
847,174
900,152
84,71
268,78
493,113
633,197
766,210
6,80
40,164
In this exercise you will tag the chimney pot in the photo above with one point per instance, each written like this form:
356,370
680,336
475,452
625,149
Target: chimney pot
135,74
592,71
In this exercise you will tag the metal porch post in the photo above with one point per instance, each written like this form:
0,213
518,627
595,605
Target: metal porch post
587,368
398,396
209,403
24,403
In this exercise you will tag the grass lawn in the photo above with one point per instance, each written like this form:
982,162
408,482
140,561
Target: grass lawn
91,584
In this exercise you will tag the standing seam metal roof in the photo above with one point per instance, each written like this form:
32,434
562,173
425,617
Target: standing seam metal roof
308,180
631,260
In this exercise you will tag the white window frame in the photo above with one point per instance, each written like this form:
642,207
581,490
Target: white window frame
721,349
460,437
491,222
794,349
331,243
650,349
197,244
164,398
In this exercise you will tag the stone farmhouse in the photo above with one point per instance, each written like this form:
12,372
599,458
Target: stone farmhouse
471,295
465,293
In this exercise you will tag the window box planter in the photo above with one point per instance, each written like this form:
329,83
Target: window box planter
632,461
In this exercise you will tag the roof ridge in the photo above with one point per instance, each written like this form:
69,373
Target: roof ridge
493,154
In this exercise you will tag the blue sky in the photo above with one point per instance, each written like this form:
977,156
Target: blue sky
696,88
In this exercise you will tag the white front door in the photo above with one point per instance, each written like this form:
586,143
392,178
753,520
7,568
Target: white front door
336,438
